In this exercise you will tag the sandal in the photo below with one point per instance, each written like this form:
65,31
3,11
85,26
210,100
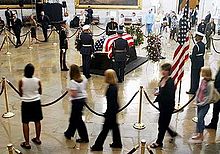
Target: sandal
25,145
156,145
36,141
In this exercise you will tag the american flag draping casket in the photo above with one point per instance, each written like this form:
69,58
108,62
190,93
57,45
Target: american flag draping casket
107,46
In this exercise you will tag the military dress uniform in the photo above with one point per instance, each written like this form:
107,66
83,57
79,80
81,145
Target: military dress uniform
86,49
63,49
119,52
111,28
197,60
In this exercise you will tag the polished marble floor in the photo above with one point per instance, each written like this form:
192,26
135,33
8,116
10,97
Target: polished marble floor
45,57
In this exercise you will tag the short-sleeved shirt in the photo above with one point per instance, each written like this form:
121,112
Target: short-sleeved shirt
79,87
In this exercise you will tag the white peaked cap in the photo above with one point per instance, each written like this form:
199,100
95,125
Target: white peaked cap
85,27
200,34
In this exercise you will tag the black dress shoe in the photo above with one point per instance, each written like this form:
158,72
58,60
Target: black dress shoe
210,126
82,141
190,93
96,148
115,145
67,136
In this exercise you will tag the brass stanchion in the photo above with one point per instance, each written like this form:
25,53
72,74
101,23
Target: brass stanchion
139,125
8,114
143,143
29,41
54,36
10,148
7,43
195,119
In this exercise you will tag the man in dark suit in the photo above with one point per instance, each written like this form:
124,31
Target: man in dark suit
90,14
111,27
8,16
197,60
119,52
216,106
63,46
44,21
86,49
202,26
209,31
16,27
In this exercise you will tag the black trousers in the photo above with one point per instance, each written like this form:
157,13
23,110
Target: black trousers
195,78
45,33
109,124
63,59
119,68
17,35
76,122
208,42
215,114
86,60
163,126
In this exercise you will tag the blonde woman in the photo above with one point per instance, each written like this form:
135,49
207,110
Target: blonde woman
203,98
110,114
78,95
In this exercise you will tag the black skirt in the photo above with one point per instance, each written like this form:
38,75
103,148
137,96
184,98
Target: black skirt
31,111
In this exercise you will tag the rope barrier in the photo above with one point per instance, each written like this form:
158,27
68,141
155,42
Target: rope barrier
2,89
22,42
101,114
20,35
214,45
56,100
3,42
2,30
43,105
47,36
175,111
73,34
96,35
100,27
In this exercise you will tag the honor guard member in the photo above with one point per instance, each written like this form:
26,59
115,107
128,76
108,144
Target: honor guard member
111,27
197,60
63,46
119,52
86,49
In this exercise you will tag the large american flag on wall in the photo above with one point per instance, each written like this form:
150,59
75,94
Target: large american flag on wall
107,46
181,54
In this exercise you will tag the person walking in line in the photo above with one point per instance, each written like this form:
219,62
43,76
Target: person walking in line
201,27
166,100
33,28
30,90
110,122
78,95
216,107
209,31
44,21
203,99
16,27
149,21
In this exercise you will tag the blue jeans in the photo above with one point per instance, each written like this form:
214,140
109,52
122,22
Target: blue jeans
149,28
201,113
